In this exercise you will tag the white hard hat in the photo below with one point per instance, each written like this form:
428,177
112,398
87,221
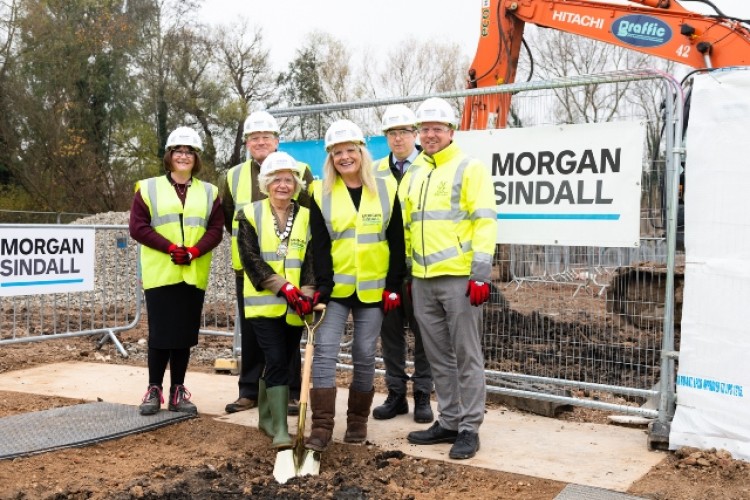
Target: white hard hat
438,110
184,136
398,115
343,131
278,161
260,121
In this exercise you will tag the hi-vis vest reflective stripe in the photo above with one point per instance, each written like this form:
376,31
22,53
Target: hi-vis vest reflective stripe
383,169
240,183
241,186
265,304
451,217
180,225
358,245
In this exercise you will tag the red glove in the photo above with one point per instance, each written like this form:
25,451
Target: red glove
391,301
172,248
293,296
179,255
321,296
193,253
305,305
478,292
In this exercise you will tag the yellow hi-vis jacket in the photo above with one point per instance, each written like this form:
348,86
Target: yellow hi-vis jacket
450,217
240,181
383,169
359,248
263,303
180,225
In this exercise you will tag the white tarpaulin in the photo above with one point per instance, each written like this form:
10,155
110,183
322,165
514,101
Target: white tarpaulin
576,185
713,381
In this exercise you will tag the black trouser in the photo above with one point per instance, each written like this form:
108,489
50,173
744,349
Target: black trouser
157,364
280,344
393,344
253,360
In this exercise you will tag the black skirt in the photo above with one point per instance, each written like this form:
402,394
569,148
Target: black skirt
174,316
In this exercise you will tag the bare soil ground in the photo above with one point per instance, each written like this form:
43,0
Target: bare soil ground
203,458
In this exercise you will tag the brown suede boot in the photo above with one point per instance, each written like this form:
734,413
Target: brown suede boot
323,404
356,416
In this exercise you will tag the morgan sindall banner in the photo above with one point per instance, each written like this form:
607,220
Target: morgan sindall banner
577,185
40,260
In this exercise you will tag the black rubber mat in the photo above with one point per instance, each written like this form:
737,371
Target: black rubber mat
75,426
580,492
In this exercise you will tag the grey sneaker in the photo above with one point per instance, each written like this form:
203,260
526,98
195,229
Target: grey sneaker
152,400
179,400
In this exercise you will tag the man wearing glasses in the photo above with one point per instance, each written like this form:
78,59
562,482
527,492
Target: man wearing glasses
261,133
450,220
399,127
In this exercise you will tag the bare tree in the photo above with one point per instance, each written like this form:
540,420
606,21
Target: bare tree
244,61
558,55
8,34
321,73
416,68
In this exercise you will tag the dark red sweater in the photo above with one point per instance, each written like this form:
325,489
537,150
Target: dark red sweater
142,232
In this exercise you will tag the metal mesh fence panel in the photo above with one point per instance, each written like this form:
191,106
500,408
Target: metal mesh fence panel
579,325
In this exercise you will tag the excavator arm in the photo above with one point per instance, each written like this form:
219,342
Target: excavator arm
662,28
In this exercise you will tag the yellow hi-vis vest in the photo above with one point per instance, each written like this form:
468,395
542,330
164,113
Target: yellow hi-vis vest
180,225
383,169
240,182
265,304
359,248
451,218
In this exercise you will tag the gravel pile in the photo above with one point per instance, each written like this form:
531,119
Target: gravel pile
116,265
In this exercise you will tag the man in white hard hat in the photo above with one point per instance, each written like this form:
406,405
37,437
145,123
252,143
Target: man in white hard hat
399,128
451,228
261,133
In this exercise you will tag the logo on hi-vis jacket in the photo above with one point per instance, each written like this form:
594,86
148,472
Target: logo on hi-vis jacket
297,243
371,219
442,189
641,30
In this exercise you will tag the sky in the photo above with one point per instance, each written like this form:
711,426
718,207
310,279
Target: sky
376,24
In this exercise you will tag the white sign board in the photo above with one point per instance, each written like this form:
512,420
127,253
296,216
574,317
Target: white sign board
564,185
713,381
38,260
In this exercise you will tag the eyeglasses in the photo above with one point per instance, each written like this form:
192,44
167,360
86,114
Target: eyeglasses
183,152
287,181
254,139
434,130
401,132
350,151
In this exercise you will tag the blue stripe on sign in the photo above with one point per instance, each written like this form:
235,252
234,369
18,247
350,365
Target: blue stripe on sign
558,216
34,283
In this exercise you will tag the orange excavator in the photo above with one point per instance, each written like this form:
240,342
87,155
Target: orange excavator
662,28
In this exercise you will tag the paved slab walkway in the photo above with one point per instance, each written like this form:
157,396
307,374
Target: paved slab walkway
602,456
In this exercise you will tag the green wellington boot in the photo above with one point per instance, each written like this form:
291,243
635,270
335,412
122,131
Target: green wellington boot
278,399
265,423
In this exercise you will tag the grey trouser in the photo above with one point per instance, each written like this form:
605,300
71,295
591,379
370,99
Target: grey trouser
393,344
364,342
451,329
